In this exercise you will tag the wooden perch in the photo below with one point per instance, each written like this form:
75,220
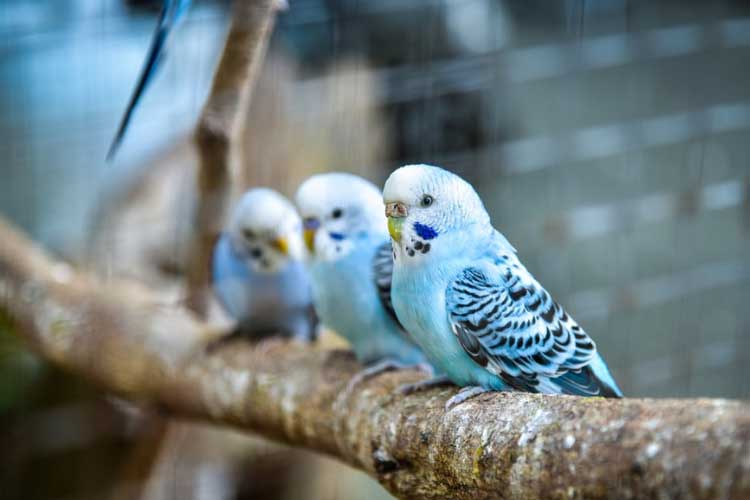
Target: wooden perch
501,445
220,125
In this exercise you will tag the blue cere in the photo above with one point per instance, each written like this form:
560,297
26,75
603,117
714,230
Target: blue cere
311,223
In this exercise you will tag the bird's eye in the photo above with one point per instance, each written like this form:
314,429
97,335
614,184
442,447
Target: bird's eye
248,234
337,212
426,200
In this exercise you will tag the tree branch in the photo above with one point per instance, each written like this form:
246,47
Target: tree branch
499,445
220,125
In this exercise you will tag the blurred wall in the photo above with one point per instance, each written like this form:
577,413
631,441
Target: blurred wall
66,72
610,141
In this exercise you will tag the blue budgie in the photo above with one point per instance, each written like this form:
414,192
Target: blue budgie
171,13
259,274
350,268
465,297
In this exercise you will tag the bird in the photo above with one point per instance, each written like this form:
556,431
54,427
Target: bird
350,268
461,291
258,269
172,12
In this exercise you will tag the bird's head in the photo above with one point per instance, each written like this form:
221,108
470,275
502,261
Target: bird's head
429,208
266,230
338,209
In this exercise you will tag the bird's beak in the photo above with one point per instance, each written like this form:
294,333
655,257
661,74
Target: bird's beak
311,225
309,235
281,244
396,213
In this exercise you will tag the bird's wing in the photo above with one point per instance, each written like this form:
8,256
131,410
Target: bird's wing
171,12
508,323
382,265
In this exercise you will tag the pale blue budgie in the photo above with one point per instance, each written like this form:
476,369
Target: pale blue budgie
464,296
350,268
171,13
259,274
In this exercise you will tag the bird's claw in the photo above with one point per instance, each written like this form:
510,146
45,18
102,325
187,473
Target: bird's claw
371,371
425,367
464,394
424,385
216,343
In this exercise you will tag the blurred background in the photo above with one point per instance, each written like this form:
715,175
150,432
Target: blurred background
609,139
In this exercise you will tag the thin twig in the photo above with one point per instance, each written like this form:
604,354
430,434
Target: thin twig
220,126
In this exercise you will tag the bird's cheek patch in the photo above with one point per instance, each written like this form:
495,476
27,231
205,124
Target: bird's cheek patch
417,246
424,231
336,236
421,246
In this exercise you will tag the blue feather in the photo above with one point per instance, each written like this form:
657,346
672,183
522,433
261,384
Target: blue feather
262,303
349,303
171,12
351,266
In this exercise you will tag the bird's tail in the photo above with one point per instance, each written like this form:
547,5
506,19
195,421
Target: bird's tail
593,379
607,384
147,73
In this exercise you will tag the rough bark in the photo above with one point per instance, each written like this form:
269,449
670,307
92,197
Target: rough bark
501,445
221,124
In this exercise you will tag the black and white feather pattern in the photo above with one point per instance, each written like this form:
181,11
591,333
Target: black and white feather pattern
508,323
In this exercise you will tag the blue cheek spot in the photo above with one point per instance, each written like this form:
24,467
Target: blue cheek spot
424,232
336,236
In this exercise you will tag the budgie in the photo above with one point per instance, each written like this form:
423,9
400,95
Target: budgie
465,297
350,269
172,12
259,274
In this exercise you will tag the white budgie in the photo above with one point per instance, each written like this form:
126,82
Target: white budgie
259,274
350,268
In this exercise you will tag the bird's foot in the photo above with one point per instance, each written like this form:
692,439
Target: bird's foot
425,367
424,385
307,336
268,343
464,394
264,339
385,365
215,344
